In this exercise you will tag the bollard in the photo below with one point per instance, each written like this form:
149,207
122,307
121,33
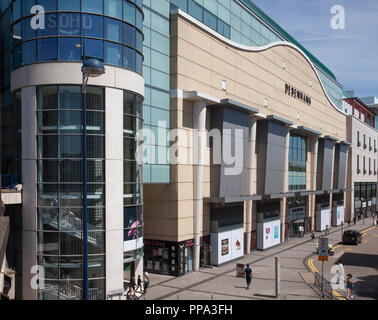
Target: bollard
278,276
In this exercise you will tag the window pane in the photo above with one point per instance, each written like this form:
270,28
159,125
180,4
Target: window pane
69,49
48,122
48,146
210,20
48,97
113,8
69,5
50,26
113,53
139,19
129,34
26,29
95,147
71,171
95,122
129,58
95,98
69,24
195,10
96,171
29,52
129,12
49,5
26,7
93,49
139,41
70,147
139,63
70,122
92,26
48,171
92,6
113,30
69,97
47,49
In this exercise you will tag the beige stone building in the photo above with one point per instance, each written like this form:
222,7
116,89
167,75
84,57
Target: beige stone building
292,142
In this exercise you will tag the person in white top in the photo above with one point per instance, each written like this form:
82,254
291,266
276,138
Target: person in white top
146,282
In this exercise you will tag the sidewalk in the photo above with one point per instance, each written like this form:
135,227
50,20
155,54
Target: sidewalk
221,282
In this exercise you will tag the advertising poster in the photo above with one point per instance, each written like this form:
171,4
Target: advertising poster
268,234
237,243
225,248
157,266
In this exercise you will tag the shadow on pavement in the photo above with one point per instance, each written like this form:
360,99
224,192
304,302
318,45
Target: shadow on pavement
360,260
263,295
367,287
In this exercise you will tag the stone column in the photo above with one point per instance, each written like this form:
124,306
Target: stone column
29,191
199,125
315,147
114,189
251,176
285,187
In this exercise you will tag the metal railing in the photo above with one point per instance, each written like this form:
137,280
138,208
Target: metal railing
327,287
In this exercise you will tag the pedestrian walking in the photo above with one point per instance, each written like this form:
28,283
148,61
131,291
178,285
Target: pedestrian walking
146,281
348,223
132,283
350,286
139,283
131,295
248,276
312,236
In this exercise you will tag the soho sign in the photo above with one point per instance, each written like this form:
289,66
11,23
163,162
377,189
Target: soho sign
39,20
297,94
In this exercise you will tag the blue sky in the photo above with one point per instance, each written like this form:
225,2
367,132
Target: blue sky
351,54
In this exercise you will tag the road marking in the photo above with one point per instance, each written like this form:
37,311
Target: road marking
338,295
371,228
349,249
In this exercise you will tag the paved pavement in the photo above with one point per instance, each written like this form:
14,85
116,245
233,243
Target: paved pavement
221,283
361,261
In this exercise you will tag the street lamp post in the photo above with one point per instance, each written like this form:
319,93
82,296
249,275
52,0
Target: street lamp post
91,68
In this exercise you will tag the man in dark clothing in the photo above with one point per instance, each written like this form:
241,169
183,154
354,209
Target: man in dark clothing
248,276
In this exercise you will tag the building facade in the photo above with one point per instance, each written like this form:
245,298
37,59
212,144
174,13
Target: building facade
291,137
362,177
42,114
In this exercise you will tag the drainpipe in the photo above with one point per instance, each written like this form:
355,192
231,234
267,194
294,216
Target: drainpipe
199,125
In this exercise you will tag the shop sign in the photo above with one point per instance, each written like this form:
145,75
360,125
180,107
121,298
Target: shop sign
297,94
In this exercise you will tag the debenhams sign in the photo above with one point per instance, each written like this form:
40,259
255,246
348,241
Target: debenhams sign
297,94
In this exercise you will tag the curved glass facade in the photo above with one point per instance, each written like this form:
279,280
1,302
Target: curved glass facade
132,177
59,191
109,30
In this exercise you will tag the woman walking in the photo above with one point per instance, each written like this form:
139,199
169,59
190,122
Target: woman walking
350,286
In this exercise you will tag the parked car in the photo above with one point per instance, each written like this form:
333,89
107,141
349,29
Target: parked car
330,249
352,236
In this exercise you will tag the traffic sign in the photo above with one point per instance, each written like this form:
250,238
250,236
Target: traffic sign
323,247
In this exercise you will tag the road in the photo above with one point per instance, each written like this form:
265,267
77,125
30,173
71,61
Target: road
221,283
361,261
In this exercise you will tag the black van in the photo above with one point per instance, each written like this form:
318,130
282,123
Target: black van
352,236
